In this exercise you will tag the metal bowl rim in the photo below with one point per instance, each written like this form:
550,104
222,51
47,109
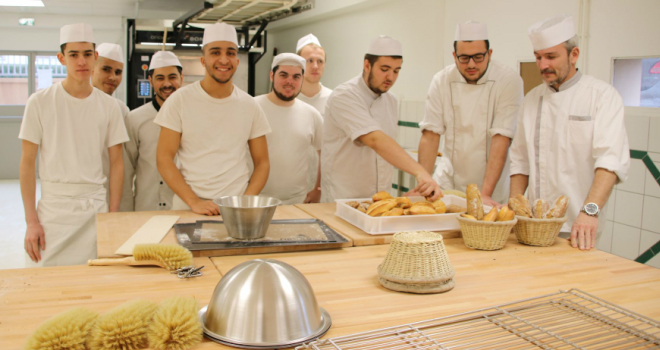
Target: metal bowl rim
326,322
278,202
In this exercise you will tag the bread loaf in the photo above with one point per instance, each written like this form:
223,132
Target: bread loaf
475,206
559,209
519,208
540,208
380,207
453,208
380,196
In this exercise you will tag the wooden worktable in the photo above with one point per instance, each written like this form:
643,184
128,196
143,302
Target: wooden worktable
326,213
113,229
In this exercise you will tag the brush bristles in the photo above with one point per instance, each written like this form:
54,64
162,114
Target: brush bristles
124,327
67,330
175,325
172,255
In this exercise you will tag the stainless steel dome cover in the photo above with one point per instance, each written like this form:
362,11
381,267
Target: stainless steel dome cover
263,303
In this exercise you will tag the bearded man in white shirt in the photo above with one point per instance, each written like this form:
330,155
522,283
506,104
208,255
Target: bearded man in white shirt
144,188
359,148
68,126
296,127
571,139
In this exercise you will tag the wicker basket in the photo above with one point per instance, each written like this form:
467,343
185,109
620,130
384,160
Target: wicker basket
538,232
485,235
417,262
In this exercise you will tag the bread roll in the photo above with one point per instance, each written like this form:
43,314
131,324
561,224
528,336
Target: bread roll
440,207
421,210
519,208
505,214
403,202
541,207
492,215
467,216
380,207
423,204
453,208
559,209
353,204
524,201
380,196
475,206
394,212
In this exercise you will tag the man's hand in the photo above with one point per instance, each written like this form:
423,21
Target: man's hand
35,239
313,196
486,200
205,207
427,187
583,232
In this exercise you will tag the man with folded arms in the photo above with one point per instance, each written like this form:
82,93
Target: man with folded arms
68,126
209,125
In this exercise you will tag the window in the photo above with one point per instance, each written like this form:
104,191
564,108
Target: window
638,81
14,79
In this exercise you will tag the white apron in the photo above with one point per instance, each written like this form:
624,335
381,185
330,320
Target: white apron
67,213
467,144
384,170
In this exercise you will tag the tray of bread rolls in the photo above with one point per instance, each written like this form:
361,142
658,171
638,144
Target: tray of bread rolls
384,214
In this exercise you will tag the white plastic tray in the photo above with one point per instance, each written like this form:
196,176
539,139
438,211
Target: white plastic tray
393,224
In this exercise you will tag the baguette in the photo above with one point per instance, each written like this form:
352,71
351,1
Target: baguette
540,208
475,206
559,209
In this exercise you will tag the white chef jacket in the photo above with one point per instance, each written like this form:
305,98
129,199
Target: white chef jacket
349,168
580,128
106,159
144,188
214,133
319,102
469,115
294,130
72,135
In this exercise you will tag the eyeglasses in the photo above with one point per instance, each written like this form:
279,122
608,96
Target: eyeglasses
478,58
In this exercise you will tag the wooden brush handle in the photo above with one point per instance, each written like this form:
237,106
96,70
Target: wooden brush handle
127,261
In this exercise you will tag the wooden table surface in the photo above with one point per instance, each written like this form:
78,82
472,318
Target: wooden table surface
346,282
113,229
326,212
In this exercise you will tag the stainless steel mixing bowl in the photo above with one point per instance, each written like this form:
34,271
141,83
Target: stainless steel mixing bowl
263,304
247,217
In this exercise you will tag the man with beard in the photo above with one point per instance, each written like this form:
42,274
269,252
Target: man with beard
474,104
208,125
68,126
359,130
296,127
571,138
144,188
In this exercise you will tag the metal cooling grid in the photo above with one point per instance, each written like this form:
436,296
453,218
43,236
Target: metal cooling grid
565,320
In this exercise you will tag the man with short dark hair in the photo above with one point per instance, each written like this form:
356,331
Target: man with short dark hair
144,188
474,104
296,127
359,130
213,127
68,126
571,138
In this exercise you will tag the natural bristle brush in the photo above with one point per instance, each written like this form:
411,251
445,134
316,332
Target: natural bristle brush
169,256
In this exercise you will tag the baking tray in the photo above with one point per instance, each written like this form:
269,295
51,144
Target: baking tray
392,224
569,319
187,236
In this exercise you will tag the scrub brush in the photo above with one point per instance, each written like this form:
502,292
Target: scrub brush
169,256
175,325
124,327
67,330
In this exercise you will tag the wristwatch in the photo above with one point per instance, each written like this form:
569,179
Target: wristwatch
591,209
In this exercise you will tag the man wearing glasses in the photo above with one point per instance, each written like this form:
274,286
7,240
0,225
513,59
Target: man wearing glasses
474,104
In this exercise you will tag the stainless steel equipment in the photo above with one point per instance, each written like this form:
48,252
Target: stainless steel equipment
263,304
247,217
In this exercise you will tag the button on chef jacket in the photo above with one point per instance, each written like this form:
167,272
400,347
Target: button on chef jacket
151,191
469,115
349,168
577,129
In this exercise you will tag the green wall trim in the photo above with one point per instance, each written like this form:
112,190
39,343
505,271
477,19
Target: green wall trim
635,154
649,253
396,187
408,124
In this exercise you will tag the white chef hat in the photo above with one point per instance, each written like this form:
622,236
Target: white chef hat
220,32
551,31
111,51
306,40
164,59
384,45
288,59
471,31
75,33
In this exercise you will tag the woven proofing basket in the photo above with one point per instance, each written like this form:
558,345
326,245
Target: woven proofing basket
485,235
538,232
417,262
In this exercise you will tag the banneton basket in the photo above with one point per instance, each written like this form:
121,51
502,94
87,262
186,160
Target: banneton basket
485,235
417,262
538,232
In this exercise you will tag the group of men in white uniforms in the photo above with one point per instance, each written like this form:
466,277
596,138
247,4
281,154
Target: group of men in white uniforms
566,137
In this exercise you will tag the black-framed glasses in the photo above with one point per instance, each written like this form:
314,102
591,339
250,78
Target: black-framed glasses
478,58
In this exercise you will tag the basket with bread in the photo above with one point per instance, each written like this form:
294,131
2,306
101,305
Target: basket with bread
538,224
485,231
383,213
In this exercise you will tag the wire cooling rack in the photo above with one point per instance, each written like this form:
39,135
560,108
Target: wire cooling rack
564,320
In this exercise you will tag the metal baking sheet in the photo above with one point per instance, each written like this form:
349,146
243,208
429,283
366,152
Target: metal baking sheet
209,235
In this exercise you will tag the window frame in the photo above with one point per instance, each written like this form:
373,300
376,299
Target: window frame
637,109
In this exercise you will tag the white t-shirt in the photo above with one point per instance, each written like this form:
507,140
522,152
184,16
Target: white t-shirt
214,133
319,100
72,133
295,129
